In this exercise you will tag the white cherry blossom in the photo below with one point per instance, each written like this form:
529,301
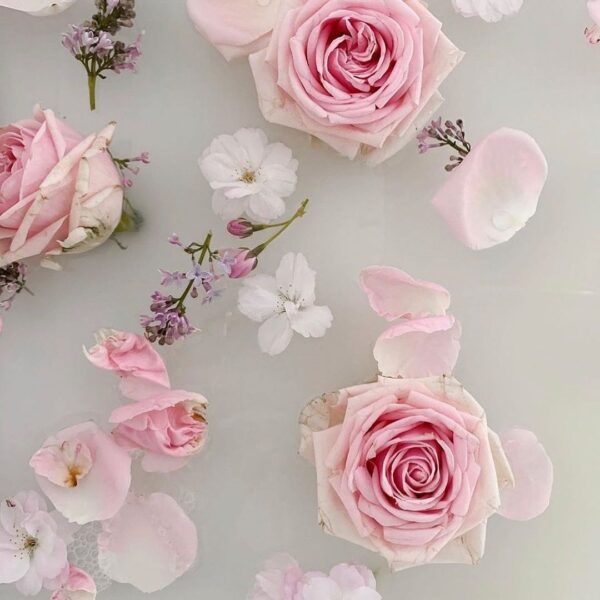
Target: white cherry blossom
284,304
489,10
249,175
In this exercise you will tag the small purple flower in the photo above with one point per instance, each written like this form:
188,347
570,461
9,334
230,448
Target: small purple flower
450,134
199,276
172,278
12,282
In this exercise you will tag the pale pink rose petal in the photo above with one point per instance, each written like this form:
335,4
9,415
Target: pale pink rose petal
104,488
533,473
495,191
419,347
149,543
38,8
394,294
235,27
278,580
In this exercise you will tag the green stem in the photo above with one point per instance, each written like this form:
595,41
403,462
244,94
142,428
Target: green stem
92,90
188,289
299,213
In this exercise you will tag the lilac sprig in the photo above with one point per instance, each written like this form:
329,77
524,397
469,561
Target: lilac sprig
131,219
436,135
12,282
94,46
168,321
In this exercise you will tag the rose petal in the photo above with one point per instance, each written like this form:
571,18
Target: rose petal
495,191
148,544
533,473
419,347
393,294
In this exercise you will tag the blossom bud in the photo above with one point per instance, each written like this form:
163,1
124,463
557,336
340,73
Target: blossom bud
242,264
241,228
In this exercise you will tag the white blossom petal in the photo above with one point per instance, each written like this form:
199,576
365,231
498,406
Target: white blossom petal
296,280
275,334
257,299
227,208
312,321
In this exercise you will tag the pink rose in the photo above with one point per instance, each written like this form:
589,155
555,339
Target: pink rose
169,427
361,75
59,192
129,355
235,27
407,468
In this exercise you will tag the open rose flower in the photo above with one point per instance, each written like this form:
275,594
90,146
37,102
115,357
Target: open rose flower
59,192
169,427
361,75
129,355
407,468
83,472
235,27
38,8
32,550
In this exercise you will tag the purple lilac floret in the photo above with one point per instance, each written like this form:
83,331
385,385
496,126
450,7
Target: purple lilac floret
450,134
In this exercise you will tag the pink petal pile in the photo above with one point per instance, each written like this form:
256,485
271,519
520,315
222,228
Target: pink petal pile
282,579
407,466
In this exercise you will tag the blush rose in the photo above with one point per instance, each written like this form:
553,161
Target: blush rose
407,468
168,427
59,192
361,75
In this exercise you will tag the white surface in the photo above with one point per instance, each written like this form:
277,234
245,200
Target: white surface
529,309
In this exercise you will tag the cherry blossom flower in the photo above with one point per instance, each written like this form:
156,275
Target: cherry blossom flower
249,175
284,304
489,10
84,473
32,550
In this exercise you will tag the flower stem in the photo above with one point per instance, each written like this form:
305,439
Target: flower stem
283,226
205,248
92,90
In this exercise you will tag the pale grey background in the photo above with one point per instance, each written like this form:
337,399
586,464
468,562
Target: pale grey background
529,308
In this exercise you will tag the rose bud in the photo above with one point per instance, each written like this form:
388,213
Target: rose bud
241,228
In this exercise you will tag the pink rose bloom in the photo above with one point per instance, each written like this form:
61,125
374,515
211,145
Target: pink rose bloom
169,428
59,192
76,585
361,75
129,356
407,468
235,27
32,551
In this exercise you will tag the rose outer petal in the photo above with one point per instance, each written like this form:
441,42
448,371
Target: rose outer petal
533,473
419,347
495,191
394,294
